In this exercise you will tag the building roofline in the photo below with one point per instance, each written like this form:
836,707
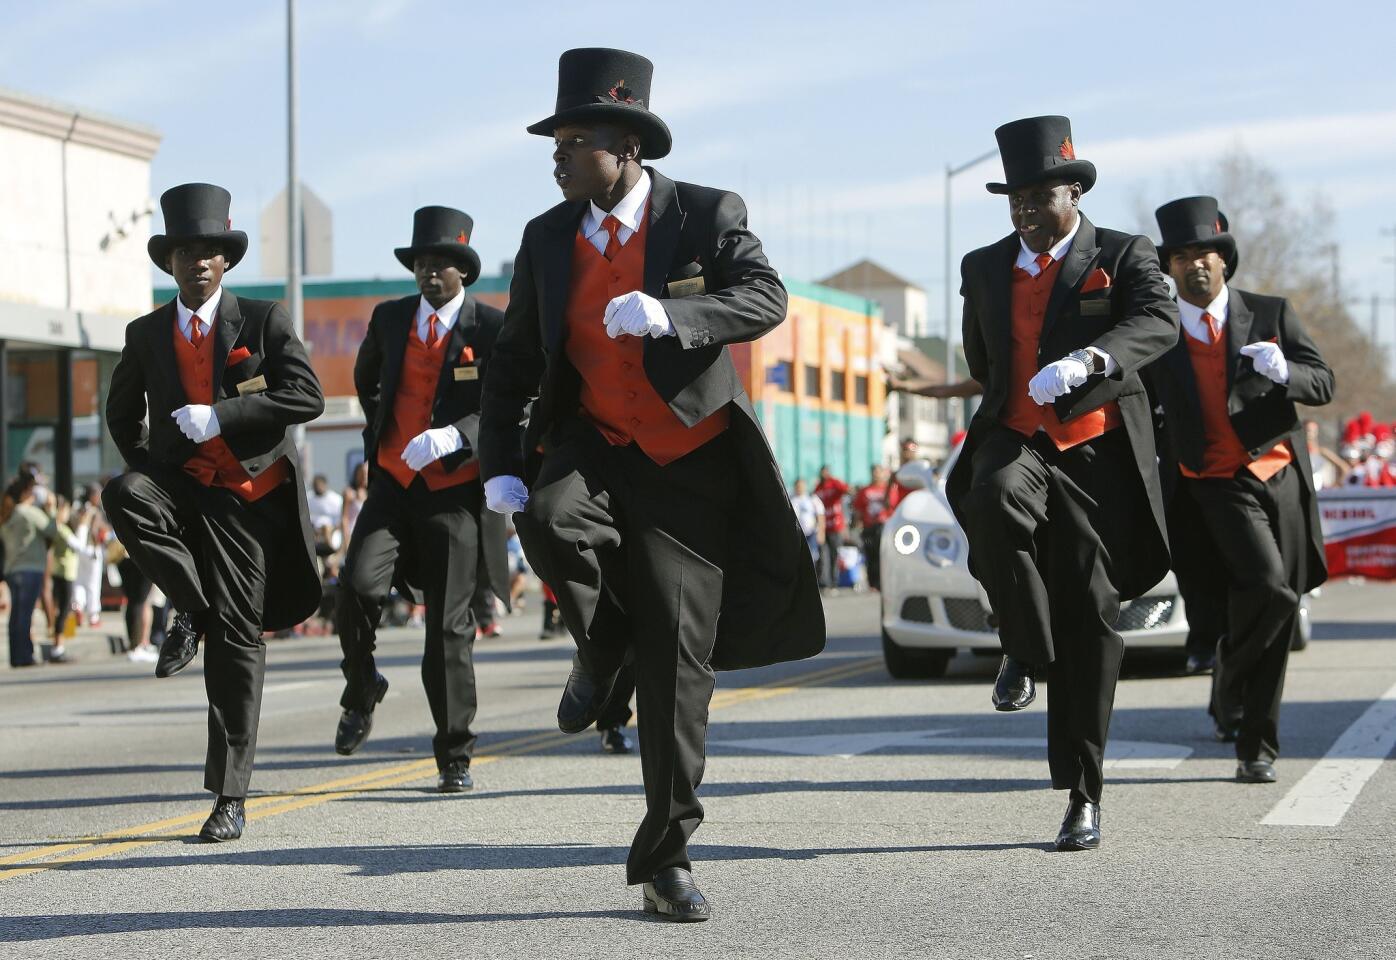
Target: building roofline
65,122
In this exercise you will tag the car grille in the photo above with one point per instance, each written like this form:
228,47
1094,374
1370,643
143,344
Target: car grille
1146,613
967,613
917,610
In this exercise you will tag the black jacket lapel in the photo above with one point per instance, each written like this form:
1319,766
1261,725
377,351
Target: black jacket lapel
225,333
162,334
662,236
1075,263
998,306
1238,334
462,333
555,264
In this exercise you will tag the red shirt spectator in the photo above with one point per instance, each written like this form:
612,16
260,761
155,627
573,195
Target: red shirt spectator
870,502
831,492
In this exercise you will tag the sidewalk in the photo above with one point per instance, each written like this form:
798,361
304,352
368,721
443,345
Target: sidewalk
102,642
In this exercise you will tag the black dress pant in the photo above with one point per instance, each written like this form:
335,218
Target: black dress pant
1259,531
203,547
1043,525
616,713
1200,573
635,553
872,554
436,535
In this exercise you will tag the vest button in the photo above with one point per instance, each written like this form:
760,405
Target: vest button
634,421
627,365
630,395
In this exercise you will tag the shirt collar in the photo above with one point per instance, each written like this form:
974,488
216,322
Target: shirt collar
1191,315
629,211
446,315
207,313
1026,256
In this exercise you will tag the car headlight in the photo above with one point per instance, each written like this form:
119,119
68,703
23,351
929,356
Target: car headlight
906,539
942,546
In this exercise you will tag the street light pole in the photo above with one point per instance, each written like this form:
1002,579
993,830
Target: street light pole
950,174
294,302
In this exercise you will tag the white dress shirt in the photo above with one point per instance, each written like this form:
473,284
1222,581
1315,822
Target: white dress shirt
629,212
206,314
445,317
1194,325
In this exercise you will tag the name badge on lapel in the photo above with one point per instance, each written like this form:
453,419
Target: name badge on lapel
257,384
1095,308
467,370
685,288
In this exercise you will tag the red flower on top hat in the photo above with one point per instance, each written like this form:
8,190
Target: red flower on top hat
1216,227
620,93
1067,151
462,238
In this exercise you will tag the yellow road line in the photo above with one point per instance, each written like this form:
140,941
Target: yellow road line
269,805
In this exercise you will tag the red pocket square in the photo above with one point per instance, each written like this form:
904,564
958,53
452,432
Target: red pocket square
1098,280
239,355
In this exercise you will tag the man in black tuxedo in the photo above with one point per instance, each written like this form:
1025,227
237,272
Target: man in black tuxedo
1236,458
418,376
212,508
647,494
1056,486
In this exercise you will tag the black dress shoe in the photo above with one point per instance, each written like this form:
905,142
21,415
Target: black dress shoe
180,645
355,723
614,740
583,698
1255,771
1080,827
455,777
225,822
674,896
1200,663
1013,688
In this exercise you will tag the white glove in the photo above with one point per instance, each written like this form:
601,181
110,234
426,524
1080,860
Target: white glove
430,446
1269,360
505,495
637,314
1057,379
197,422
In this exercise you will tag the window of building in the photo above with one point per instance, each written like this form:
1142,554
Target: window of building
781,375
860,389
838,386
811,380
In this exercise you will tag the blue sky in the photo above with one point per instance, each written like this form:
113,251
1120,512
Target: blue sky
834,120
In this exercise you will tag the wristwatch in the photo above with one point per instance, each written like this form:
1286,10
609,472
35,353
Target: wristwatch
1092,361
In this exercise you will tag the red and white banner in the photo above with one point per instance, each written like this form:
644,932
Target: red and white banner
1359,531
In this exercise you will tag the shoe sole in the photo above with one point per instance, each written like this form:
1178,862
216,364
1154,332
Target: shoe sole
347,750
666,913
176,669
1070,846
1012,707
210,838
441,789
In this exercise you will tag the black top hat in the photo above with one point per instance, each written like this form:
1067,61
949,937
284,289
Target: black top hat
196,211
601,84
1038,149
1195,221
443,230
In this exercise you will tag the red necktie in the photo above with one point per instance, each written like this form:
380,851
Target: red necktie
1044,260
1213,326
432,334
196,331
612,227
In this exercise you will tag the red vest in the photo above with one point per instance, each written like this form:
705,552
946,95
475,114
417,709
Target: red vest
1223,454
416,394
1030,295
213,464
616,394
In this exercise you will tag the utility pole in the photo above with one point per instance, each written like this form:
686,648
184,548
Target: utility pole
294,302
950,173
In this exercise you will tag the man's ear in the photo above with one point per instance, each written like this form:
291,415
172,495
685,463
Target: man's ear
1076,192
630,147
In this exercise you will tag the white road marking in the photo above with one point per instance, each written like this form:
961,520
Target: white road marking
1323,796
1119,755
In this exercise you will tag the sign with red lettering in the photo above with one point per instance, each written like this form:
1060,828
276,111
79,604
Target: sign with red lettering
1359,531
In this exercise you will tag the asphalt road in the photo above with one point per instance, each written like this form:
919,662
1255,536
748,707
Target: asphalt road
849,815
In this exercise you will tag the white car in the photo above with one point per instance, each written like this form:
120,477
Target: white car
932,606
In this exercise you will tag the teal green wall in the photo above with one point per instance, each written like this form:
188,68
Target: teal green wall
806,438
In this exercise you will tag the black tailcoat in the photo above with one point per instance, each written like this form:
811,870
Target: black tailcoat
255,427
1262,412
1140,324
771,609
457,403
